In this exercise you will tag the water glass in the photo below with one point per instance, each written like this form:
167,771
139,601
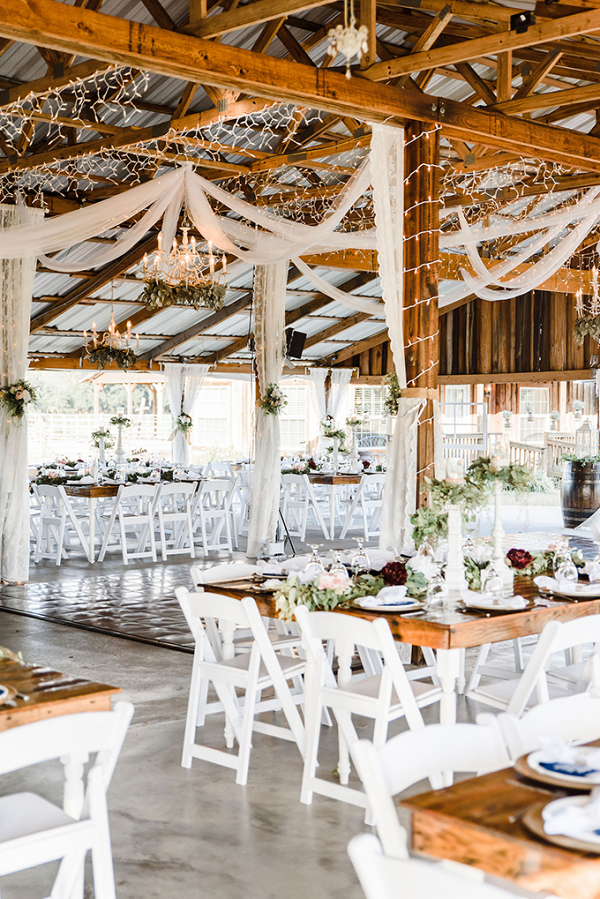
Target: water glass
493,584
360,560
338,568
437,591
315,566
566,569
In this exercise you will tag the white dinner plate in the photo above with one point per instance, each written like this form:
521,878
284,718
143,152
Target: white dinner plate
553,808
397,607
536,762
502,606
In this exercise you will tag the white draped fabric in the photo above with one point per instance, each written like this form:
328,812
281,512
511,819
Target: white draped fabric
340,378
317,378
399,498
361,304
16,287
269,336
400,504
183,384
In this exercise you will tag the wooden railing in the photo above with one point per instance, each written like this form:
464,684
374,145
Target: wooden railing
556,446
464,446
528,455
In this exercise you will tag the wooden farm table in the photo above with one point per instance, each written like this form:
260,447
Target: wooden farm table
333,481
51,694
478,822
448,632
92,492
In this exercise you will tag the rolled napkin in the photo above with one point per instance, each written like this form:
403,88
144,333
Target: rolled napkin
224,573
592,569
272,584
573,820
470,597
554,751
389,596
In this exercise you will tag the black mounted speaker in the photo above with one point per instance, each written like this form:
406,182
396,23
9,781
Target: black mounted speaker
294,342
521,21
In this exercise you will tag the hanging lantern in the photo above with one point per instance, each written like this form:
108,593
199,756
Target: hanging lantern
586,441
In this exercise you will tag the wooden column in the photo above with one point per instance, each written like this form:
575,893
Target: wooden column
421,250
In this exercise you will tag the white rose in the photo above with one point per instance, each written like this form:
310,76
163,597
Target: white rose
424,564
481,553
26,396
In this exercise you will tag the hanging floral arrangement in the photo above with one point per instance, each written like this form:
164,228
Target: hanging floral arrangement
158,294
119,421
392,393
101,356
274,400
184,423
102,433
15,398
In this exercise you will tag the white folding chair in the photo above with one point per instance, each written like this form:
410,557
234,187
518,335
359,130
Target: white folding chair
385,877
382,697
211,511
540,681
367,502
416,755
253,672
575,719
34,831
134,507
174,507
56,523
298,502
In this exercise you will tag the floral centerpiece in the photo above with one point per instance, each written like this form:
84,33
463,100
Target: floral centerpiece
274,400
102,433
353,422
305,466
327,592
119,421
392,393
330,430
15,398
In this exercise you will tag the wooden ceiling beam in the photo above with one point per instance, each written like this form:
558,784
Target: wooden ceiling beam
251,14
550,99
501,42
153,49
60,77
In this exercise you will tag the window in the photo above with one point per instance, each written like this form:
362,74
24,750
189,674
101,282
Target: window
292,420
457,401
368,405
212,416
534,408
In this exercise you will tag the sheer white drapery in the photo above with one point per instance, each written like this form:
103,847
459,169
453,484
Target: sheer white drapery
340,378
400,504
372,307
317,378
269,336
399,497
183,384
16,287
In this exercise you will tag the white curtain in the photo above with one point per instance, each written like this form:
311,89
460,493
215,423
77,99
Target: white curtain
340,378
16,287
183,384
269,336
400,494
317,378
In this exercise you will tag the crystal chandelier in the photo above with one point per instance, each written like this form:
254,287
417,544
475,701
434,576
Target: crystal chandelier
347,39
184,276
588,312
111,346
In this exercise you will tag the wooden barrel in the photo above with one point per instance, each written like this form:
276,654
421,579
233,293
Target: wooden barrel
580,492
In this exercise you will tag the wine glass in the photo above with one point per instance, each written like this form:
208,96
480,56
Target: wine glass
437,591
360,560
566,569
493,585
338,568
315,565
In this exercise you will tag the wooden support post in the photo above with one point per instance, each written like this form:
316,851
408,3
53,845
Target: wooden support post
421,252
367,17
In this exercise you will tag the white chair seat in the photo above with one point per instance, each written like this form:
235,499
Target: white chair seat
22,814
287,664
501,692
369,687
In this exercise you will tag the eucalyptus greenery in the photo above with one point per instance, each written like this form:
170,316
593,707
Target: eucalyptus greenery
292,594
581,460
158,294
101,356
120,421
329,429
392,393
587,324
108,438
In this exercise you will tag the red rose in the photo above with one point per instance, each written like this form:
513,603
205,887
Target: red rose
312,464
366,464
519,558
394,574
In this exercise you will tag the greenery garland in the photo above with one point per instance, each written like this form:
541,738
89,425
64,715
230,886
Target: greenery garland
274,400
392,393
15,398
101,356
292,594
582,460
55,480
158,294
587,324
330,431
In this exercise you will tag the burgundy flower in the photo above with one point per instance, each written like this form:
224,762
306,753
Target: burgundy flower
394,574
519,558
366,464
312,464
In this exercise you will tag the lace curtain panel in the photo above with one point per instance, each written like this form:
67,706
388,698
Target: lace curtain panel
183,384
400,494
16,287
269,336
340,378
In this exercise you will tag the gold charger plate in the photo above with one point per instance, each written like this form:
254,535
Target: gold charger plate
523,767
533,821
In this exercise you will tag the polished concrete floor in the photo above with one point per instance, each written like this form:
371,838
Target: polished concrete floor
193,833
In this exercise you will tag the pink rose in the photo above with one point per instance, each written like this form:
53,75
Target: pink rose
19,395
52,473
336,582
